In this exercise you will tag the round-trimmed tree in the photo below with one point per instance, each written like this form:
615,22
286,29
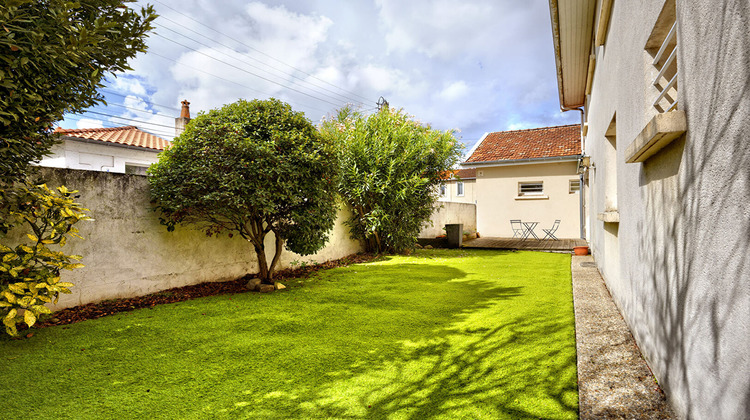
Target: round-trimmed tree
251,168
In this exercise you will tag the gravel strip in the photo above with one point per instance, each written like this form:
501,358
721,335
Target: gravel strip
614,382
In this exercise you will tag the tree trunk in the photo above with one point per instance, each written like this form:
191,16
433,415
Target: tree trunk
263,273
276,255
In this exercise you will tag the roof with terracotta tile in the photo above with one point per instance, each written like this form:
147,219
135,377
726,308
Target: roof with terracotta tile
128,136
534,143
465,174
458,173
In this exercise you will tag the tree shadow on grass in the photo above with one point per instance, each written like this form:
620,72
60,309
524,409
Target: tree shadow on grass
480,361
469,373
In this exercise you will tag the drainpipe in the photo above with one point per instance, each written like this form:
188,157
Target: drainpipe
580,177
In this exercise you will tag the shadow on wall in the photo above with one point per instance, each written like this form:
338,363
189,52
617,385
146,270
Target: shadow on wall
695,240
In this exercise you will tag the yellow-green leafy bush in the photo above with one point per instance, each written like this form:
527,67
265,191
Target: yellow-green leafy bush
30,272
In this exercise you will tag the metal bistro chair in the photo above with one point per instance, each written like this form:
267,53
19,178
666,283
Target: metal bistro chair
518,229
550,233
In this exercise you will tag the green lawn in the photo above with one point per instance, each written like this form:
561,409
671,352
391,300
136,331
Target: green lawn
444,334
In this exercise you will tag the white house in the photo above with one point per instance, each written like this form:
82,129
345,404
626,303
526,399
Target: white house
125,149
119,149
458,187
529,175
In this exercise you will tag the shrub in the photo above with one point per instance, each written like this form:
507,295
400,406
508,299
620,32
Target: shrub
250,168
30,272
390,167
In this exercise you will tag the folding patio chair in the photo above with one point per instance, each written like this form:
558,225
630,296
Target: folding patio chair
550,233
518,229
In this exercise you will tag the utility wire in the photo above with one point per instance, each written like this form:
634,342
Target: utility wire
109,124
258,51
129,119
110,92
146,111
226,80
254,66
247,71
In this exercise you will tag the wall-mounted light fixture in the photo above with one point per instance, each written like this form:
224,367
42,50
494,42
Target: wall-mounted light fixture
584,162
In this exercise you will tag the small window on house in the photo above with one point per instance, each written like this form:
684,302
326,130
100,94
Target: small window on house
135,169
574,186
443,190
460,189
530,188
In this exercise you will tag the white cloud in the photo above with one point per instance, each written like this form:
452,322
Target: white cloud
455,90
89,123
477,65
289,37
435,28
126,84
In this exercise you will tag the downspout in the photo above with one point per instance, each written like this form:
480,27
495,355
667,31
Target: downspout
581,221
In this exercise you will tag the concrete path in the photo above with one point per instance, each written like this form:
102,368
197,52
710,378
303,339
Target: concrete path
614,381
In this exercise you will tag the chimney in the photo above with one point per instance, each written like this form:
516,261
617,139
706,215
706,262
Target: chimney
181,123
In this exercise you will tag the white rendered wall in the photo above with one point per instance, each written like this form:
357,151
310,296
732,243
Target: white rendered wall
450,213
127,252
451,192
678,262
104,157
498,202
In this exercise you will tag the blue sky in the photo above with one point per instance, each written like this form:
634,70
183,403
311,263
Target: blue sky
474,65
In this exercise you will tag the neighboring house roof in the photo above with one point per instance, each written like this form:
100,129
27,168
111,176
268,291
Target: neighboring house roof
535,143
464,174
125,136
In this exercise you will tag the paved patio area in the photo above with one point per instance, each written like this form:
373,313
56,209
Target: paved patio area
614,381
528,244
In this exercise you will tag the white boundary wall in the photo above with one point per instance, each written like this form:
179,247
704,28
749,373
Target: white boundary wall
128,253
450,213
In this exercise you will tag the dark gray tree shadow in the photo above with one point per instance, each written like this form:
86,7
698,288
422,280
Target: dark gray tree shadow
693,315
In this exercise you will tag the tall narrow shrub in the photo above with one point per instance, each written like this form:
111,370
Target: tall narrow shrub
390,167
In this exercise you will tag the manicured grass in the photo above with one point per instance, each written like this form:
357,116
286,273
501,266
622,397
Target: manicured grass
444,334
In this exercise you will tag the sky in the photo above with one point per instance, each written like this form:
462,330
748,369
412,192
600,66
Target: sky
473,66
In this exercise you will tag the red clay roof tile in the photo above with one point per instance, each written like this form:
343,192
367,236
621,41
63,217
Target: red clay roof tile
466,174
129,136
533,143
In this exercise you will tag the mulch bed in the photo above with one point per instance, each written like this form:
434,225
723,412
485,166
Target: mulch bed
179,294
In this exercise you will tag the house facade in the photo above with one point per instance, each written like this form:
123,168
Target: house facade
125,149
459,187
664,90
119,149
529,175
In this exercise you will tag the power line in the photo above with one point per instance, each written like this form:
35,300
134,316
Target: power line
139,110
247,71
226,80
252,58
258,51
139,97
108,124
129,119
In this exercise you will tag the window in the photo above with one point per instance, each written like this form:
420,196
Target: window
530,188
442,190
460,189
135,169
662,47
574,186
